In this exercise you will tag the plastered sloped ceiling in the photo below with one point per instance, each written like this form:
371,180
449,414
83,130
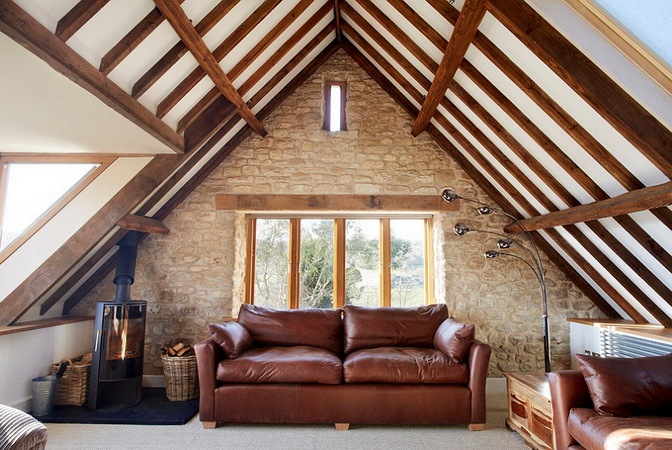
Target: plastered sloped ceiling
542,112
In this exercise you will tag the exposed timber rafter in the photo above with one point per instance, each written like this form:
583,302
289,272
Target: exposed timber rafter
467,24
77,17
630,202
174,13
25,30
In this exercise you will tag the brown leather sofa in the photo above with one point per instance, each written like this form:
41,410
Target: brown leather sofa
351,365
613,403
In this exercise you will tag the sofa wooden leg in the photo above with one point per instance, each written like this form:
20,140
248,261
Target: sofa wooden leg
209,425
342,426
476,426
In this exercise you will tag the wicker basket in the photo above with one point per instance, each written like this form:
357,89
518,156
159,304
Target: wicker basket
181,376
73,387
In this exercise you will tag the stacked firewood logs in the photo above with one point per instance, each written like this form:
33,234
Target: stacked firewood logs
177,350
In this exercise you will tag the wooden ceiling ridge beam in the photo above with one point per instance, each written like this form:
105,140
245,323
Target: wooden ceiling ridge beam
413,47
178,50
77,17
632,227
651,197
25,30
337,18
181,24
219,53
470,18
213,95
133,38
602,93
449,148
194,159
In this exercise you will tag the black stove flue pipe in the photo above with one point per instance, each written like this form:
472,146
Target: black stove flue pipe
125,274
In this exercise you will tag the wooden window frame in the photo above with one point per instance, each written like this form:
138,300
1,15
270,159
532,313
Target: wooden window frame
294,280
7,159
327,104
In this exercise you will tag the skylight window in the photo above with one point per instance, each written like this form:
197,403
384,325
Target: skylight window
31,192
334,108
648,21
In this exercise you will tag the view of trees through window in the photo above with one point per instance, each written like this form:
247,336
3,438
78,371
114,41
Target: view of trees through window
362,271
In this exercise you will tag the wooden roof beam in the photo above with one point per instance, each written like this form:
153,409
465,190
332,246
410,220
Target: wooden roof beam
630,202
25,30
490,190
75,19
179,49
267,67
207,168
602,93
132,39
467,24
337,18
181,24
222,50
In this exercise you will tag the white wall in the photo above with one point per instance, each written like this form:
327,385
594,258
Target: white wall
29,354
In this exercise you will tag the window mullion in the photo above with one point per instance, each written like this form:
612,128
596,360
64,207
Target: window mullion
385,269
250,264
294,263
429,261
339,263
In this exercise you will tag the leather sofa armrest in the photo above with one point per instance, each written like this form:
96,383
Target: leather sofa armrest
208,354
568,390
479,358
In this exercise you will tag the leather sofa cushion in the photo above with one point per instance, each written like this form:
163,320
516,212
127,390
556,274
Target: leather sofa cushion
627,387
283,327
402,365
298,364
232,337
454,339
391,327
593,430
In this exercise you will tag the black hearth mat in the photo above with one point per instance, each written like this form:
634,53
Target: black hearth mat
153,409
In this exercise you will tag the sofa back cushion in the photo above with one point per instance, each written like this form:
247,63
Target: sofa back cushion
319,328
454,339
232,337
625,387
391,327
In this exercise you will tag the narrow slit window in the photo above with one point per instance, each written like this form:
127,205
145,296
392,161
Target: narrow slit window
334,110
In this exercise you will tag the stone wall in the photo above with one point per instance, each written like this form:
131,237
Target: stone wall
194,275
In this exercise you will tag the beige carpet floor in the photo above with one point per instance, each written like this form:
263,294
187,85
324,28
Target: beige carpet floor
253,436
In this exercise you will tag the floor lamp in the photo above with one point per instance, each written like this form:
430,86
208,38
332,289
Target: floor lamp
504,243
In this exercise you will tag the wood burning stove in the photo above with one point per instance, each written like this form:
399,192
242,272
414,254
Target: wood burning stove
119,337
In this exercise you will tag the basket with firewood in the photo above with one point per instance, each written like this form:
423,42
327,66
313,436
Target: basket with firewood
179,371
73,374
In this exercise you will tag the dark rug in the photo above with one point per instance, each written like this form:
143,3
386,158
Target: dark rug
153,409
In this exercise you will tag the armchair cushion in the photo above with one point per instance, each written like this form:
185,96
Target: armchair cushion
454,339
232,337
625,387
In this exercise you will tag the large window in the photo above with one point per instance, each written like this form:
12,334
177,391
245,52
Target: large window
307,262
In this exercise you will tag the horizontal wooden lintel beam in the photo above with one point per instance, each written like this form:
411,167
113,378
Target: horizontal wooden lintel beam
634,201
278,202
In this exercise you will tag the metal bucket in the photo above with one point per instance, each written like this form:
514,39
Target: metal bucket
44,391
